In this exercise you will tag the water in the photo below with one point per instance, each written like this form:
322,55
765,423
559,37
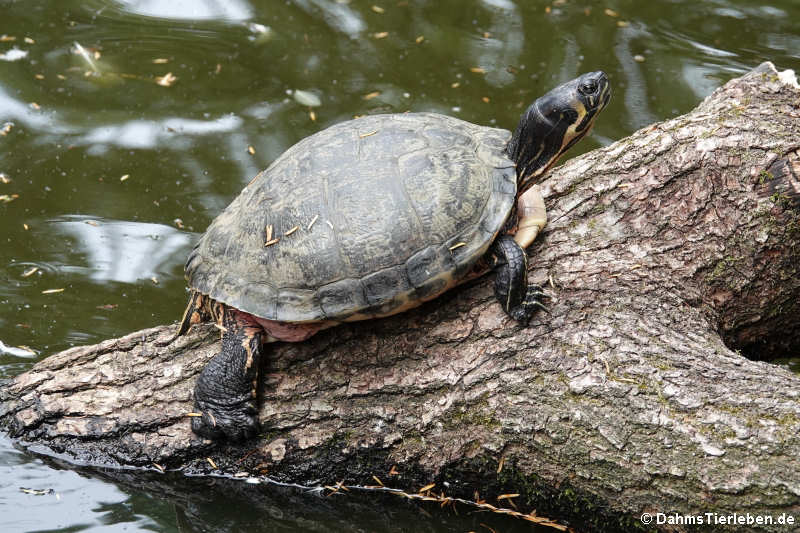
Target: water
112,175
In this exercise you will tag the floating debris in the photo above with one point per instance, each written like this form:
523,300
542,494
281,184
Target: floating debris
6,198
84,53
426,488
370,96
393,471
178,223
269,233
312,115
485,99
52,291
455,85
623,23
92,223
378,9
312,222
4,178
29,40
368,134
380,35
457,245
378,480
107,307
160,60
16,351
419,39
639,58
272,241
291,231
477,70
30,272
15,54
36,106
251,150
166,80
154,280
37,492
261,33
124,177
7,38
610,12
212,463
159,467
306,98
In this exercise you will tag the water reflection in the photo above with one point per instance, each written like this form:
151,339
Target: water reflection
178,133
123,251
189,9
337,15
50,499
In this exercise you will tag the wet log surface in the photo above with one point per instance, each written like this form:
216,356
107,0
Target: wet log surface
670,256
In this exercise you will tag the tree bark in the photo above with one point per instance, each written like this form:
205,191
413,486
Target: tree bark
668,254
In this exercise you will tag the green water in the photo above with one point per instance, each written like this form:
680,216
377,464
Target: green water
76,124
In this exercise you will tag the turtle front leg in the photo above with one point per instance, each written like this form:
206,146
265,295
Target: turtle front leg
225,392
511,287
508,257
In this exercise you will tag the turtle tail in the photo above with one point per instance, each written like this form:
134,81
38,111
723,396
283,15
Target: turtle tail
196,312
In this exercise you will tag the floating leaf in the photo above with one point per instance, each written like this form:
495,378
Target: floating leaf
306,98
166,80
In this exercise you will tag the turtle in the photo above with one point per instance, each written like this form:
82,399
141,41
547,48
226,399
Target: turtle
368,218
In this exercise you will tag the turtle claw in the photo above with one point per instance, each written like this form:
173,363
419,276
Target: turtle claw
533,301
233,423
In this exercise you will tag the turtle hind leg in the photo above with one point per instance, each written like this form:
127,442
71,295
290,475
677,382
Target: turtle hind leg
225,392
511,288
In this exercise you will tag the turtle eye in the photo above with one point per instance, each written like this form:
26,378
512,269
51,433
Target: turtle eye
588,87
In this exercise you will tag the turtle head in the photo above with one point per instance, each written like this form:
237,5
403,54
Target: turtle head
554,122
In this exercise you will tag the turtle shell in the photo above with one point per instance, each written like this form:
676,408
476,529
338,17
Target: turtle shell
366,218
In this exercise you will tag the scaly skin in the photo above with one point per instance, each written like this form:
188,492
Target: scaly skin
225,393
511,288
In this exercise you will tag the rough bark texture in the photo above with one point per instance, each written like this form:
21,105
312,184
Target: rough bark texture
667,253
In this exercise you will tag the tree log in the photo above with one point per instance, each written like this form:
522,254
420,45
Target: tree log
668,256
